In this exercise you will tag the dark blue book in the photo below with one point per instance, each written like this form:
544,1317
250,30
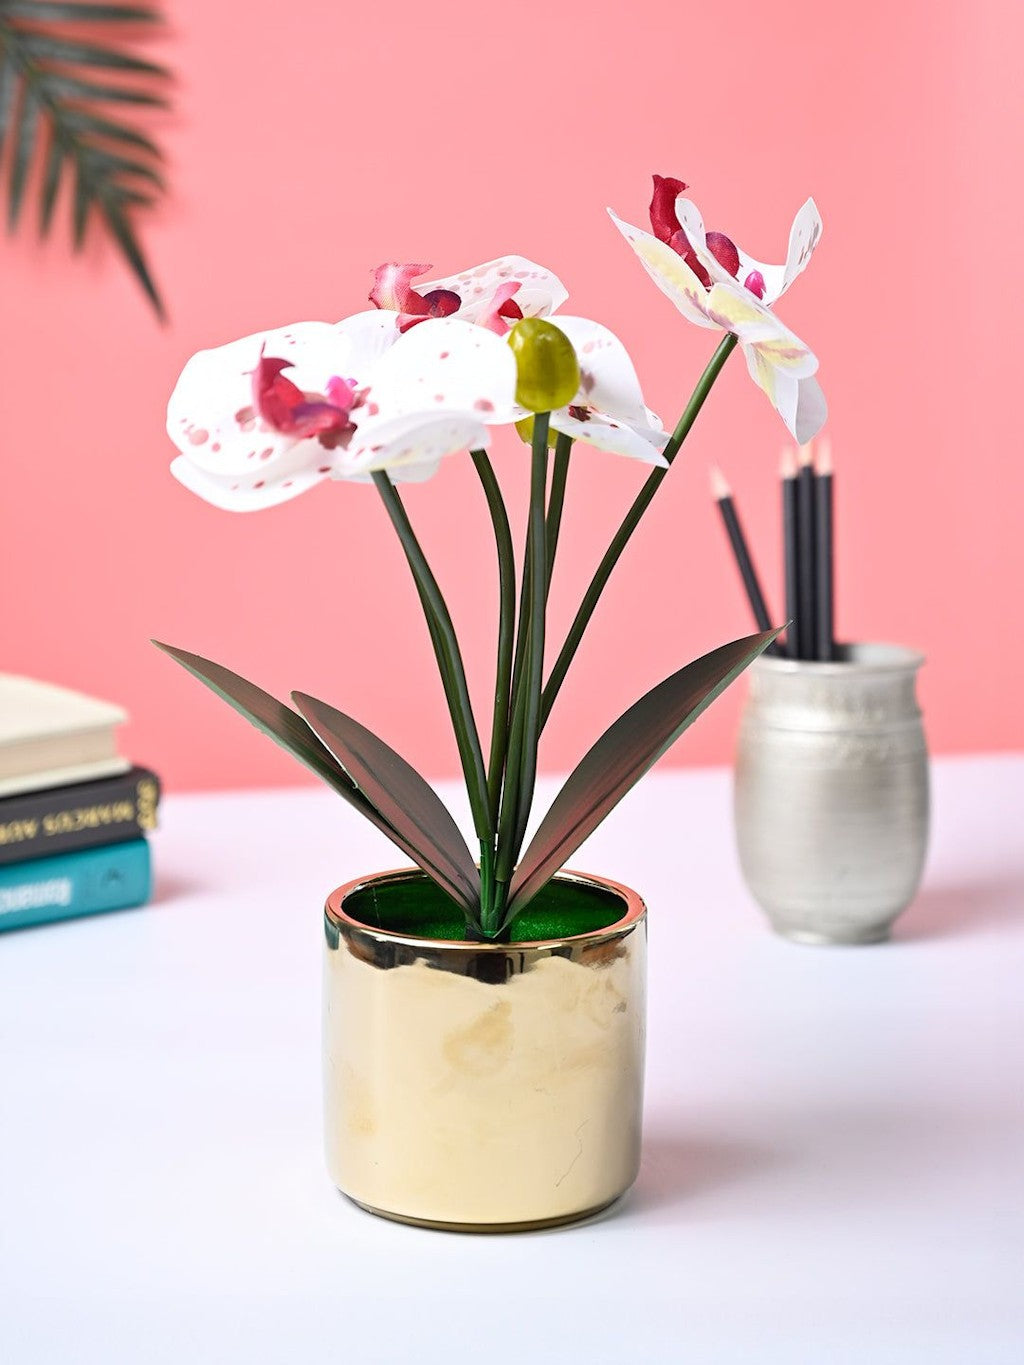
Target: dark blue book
109,810
114,877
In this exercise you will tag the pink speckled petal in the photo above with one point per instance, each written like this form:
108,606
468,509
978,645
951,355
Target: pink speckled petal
503,309
446,364
411,446
211,417
246,492
539,295
619,438
608,379
363,338
392,287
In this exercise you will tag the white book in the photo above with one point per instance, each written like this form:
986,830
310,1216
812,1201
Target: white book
50,736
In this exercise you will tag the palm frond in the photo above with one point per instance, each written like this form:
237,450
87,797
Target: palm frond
60,94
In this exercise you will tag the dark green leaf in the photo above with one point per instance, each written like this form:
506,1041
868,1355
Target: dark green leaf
51,85
53,11
8,95
402,796
128,197
108,168
43,47
51,184
121,230
24,141
621,757
68,87
83,200
287,728
113,131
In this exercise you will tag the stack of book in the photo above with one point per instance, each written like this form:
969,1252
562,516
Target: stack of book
73,813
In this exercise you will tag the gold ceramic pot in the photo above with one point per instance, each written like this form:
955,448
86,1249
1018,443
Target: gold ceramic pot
479,1086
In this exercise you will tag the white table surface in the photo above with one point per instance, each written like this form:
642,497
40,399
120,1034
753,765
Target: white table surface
834,1156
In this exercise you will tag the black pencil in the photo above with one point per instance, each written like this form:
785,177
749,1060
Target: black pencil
823,545
722,494
806,559
791,553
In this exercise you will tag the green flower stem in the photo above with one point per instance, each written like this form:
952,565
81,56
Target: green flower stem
505,860
556,499
629,525
449,659
520,769
487,887
538,552
506,629
513,751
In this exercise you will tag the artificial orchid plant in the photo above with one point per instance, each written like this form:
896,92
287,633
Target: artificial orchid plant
384,396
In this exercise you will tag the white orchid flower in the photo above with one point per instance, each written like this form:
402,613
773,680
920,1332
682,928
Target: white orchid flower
260,420
726,262
493,295
698,271
435,392
608,410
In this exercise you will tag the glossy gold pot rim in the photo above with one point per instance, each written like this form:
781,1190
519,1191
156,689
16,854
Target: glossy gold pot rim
636,910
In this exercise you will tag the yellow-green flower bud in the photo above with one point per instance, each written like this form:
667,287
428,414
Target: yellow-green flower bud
548,371
525,429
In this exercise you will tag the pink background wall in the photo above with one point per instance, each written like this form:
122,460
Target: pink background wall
314,140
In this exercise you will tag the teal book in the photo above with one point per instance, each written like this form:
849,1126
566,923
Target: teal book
114,877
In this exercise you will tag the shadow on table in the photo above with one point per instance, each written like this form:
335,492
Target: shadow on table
676,1171
959,908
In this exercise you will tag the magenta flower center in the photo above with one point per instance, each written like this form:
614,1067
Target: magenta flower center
666,227
286,408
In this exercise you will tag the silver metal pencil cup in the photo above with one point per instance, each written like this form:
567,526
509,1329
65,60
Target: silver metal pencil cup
831,792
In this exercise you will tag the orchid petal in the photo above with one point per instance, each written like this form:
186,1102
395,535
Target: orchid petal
363,338
608,380
803,238
606,433
669,272
702,242
502,306
799,402
254,490
540,292
664,222
780,389
211,418
811,410
737,310
392,287
410,446
449,365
